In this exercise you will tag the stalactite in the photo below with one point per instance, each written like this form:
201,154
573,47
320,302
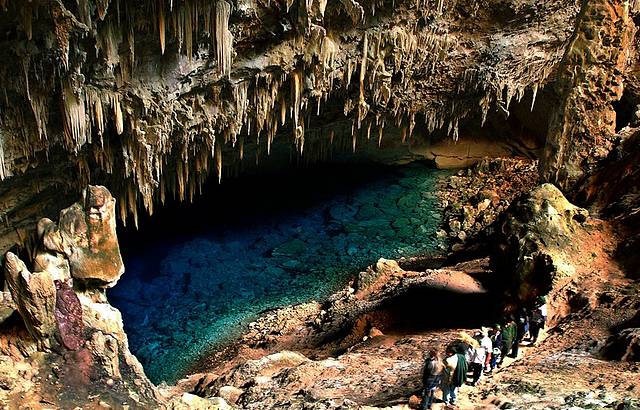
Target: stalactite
117,113
296,95
75,124
218,150
533,99
3,169
161,25
224,38
380,132
27,21
362,104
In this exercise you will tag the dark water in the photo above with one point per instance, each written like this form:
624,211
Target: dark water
196,274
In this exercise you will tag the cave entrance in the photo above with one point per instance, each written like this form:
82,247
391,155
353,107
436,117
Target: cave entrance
196,273
424,309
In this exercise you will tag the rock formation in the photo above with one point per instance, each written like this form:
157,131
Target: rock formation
152,97
76,349
590,78
535,241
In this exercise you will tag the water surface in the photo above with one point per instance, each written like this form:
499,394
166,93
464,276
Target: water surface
196,274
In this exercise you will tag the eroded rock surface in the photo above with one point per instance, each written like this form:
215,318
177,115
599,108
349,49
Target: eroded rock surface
67,346
535,241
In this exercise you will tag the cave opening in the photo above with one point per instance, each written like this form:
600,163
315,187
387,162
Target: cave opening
197,273
423,309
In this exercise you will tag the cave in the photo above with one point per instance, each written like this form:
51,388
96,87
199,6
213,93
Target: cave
266,204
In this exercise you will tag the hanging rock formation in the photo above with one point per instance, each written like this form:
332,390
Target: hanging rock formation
150,98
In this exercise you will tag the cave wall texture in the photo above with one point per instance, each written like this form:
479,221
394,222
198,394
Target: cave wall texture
150,97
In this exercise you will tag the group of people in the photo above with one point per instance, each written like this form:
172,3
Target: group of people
479,354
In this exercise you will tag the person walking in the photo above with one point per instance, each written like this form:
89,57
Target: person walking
431,378
478,356
522,325
538,318
496,342
486,343
456,374
508,336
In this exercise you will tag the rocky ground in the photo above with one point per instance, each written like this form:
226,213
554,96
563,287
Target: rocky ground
473,198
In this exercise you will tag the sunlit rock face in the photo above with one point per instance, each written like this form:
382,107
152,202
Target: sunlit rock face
151,97
536,241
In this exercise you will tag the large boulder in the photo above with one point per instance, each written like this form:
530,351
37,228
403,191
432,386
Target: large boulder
534,241
88,231
35,297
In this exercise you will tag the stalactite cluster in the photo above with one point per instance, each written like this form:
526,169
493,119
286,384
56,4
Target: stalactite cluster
159,93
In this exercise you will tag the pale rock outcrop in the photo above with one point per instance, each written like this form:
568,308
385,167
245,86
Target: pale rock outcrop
590,78
534,240
190,401
88,231
35,296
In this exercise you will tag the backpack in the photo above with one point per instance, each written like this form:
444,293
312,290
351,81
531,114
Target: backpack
536,317
460,375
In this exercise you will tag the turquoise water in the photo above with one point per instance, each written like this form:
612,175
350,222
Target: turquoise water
198,274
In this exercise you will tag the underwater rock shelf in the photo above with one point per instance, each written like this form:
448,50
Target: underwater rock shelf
187,292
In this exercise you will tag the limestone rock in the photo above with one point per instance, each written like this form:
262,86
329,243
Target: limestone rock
382,268
35,296
90,230
590,78
230,394
624,345
81,343
7,306
534,239
190,401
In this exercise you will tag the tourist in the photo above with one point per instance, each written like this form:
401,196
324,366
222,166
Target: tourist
522,327
478,356
538,318
456,373
496,342
487,344
508,336
431,378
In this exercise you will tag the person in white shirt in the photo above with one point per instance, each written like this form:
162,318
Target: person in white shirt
477,359
487,344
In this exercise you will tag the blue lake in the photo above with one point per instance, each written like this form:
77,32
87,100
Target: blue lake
196,274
